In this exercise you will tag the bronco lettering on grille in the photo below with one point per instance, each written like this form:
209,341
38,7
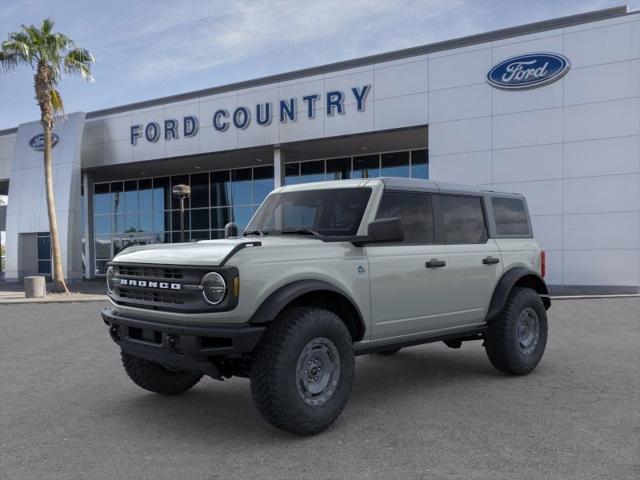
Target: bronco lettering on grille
148,284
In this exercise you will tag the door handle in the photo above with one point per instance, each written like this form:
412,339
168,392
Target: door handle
490,260
435,263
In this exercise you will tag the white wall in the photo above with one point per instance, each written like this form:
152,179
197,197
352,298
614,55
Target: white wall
572,147
7,151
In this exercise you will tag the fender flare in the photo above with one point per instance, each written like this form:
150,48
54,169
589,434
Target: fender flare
509,280
282,297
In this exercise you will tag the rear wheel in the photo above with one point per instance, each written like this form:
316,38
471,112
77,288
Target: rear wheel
157,378
517,338
302,370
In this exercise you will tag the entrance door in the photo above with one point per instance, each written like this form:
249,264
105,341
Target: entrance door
409,280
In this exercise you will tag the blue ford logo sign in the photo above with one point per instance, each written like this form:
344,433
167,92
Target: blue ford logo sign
528,71
37,142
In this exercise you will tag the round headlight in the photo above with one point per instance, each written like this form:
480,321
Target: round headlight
214,288
110,274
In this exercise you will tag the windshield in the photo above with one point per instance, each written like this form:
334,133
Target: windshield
329,212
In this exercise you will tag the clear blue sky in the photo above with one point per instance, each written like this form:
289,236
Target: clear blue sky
149,49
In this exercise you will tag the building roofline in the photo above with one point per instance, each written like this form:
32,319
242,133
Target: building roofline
494,35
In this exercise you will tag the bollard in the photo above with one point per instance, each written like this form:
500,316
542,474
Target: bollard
34,287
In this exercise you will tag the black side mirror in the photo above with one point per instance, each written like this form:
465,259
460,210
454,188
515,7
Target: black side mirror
230,230
385,230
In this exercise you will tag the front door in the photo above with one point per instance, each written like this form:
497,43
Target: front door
409,280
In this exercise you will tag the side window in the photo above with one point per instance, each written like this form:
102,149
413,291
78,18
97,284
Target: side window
463,219
510,216
416,213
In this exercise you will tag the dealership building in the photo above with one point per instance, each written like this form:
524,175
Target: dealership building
549,109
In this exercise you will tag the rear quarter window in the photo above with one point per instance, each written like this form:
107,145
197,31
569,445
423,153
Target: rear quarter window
510,215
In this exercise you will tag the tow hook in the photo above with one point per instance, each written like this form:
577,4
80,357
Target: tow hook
114,331
173,342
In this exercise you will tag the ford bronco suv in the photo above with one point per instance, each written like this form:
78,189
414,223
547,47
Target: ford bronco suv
324,272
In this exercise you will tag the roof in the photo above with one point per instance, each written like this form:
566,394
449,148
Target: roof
371,59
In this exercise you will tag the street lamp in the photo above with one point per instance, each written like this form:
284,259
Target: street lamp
182,192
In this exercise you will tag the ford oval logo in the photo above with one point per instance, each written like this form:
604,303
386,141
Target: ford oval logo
528,71
37,142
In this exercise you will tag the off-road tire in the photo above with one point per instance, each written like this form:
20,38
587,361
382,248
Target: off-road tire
275,381
156,378
391,351
502,341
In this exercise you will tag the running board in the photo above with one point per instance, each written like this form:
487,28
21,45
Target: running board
468,335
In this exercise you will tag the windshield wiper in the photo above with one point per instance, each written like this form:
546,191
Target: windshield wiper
255,232
301,231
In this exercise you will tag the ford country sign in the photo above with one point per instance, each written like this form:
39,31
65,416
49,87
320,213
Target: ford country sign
528,71
37,142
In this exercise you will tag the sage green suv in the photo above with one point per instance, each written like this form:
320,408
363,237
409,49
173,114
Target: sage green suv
325,272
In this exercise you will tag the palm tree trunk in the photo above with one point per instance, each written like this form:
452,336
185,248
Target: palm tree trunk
59,284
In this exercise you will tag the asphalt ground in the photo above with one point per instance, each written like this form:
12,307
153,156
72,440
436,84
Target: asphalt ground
68,411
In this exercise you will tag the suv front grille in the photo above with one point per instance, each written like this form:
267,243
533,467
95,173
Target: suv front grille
150,296
150,272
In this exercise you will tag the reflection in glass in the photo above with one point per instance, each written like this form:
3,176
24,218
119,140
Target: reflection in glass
161,194
366,167
131,223
175,220
131,196
339,168
116,198
145,195
101,198
200,219
179,180
161,222
220,189
395,164
220,217
200,190
292,174
242,215
199,235
420,164
312,171
102,224
241,187
103,247
262,183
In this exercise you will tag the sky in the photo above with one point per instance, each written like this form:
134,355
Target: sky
150,49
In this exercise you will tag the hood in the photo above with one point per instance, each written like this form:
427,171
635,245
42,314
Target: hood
204,253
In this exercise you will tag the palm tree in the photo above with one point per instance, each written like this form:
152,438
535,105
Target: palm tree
50,55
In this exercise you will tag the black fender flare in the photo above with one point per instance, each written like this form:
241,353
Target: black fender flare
509,280
286,294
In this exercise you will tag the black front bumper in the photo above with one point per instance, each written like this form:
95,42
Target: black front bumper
193,348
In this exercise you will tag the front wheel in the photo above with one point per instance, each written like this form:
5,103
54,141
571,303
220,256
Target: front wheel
516,339
157,378
302,370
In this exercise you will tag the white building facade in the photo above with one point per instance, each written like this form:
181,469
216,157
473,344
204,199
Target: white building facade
550,110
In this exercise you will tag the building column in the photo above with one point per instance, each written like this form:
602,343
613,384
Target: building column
278,167
87,222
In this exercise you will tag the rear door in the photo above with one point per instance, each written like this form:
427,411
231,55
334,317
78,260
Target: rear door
409,279
474,258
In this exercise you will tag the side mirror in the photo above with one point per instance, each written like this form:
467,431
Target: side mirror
385,230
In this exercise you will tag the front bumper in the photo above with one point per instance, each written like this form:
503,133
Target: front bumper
192,348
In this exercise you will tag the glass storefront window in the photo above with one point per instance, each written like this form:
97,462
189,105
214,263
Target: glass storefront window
144,210
367,166
395,164
262,183
220,188
420,164
101,198
145,195
339,168
200,190
292,174
241,191
161,194
312,171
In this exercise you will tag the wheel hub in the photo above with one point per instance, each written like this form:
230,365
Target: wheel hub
318,371
528,330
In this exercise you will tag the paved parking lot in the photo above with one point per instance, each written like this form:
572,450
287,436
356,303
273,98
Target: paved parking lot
68,411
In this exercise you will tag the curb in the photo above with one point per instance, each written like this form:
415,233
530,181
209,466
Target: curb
83,299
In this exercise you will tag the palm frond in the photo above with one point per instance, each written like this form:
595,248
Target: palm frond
56,101
79,61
